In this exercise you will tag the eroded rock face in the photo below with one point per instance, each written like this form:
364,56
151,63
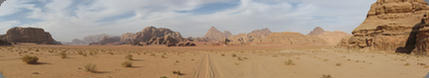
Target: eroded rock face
29,35
214,34
422,40
153,36
389,26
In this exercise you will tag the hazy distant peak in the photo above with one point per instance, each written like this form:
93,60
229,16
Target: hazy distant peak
317,31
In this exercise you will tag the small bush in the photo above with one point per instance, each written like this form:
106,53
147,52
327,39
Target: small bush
63,55
90,68
127,64
407,64
326,76
129,57
289,62
30,59
338,64
163,77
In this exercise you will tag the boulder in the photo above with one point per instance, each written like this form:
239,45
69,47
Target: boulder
390,25
29,35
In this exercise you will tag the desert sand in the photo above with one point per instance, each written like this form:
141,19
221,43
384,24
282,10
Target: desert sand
209,62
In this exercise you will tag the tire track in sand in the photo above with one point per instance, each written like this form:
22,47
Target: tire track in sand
207,68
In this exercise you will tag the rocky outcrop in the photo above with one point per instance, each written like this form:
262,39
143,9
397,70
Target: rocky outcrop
28,35
291,38
214,34
422,40
153,36
331,38
390,25
4,43
253,37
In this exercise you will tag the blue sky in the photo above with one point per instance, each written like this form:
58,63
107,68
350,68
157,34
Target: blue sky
69,19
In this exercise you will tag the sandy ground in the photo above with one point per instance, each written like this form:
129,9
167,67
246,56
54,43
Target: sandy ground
210,62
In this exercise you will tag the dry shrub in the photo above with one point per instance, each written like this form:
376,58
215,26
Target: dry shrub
127,64
90,68
63,55
289,62
338,64
30,59
129,57
326,76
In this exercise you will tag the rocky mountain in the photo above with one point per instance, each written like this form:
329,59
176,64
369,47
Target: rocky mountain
214,34
330,37
390,25
28,35
108,40
154,36
88,39
253,37
317,31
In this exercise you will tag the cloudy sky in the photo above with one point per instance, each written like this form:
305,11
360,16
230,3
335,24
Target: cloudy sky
69,19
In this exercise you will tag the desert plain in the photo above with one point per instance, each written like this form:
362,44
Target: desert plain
209,62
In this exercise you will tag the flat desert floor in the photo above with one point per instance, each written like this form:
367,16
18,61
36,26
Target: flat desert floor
209,62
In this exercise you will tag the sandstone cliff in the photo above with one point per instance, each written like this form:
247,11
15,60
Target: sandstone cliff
390,25
28,35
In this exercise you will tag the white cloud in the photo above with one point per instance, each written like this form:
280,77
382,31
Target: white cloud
65,23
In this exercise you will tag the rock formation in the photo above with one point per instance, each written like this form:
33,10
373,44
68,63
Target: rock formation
330,37
390,25
253,37
28,35
214,34
317,31
291,38
422,40
153,36
4,43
